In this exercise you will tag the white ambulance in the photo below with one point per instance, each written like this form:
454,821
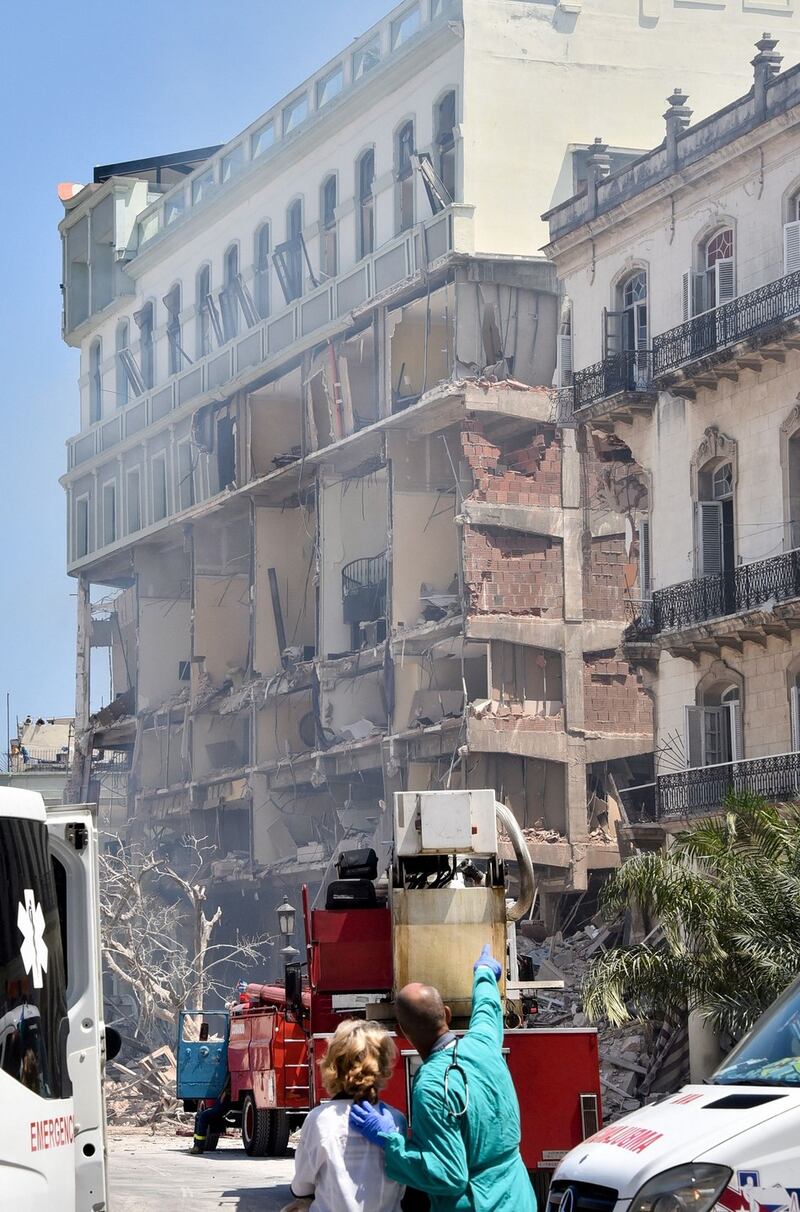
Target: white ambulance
731,1144
52,1038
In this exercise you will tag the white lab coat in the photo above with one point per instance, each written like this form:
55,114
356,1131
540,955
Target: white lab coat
341,1169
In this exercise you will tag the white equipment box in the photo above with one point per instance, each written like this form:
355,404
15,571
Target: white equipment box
445,822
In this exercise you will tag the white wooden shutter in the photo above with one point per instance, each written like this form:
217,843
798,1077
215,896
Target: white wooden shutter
645,574
794,703
726,281
564,359
687,289
791,247
709,538
737,742
612,332
694,725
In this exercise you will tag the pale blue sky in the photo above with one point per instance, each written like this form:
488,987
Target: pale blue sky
83,84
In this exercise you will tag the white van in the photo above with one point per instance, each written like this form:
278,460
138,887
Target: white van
52,1038
733,1143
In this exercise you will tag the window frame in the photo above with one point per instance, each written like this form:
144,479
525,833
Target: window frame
405,183
106,485
186,444
147,345
96,381
130,472
83,549
174,329
329,228
121,381
229,301
160,459
365,205
445,143
261,268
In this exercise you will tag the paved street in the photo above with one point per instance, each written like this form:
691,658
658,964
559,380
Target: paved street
156,1174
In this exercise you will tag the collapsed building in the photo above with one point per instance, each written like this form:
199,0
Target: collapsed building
327,523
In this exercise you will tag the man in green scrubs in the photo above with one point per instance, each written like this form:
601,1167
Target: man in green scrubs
464,1146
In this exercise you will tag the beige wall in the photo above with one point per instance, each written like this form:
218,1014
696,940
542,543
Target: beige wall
284,540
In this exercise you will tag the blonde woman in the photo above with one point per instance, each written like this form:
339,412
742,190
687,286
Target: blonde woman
335,1168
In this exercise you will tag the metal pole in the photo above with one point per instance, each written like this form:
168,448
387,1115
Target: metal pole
8,731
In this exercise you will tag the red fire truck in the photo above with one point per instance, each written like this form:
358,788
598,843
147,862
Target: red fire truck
428,923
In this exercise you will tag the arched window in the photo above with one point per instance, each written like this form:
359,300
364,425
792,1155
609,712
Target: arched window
328,236
172,302
714,726
634,330
366,203
95,381
404,176
718,268
203,305
122,343
293,287
228,295
262,251
144,321
445,140
794,710
715,525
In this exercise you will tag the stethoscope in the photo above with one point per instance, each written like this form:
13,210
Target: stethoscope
456,1107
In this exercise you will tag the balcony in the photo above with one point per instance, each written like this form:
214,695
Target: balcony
746,588
364,600
703,789
623,380
733,337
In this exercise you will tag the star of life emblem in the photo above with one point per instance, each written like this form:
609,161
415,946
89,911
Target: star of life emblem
30,923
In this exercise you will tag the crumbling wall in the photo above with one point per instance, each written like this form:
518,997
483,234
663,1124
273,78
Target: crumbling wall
526,687
534,790
523,470
608,577
506,572
285,540
222,624
614,698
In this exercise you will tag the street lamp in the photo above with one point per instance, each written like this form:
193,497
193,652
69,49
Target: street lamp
286,916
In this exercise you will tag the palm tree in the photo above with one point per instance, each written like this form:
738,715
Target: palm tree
727,899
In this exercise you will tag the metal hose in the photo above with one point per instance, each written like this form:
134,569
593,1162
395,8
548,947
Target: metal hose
524,862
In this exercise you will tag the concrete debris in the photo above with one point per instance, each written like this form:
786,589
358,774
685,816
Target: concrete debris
624,1051
143,1091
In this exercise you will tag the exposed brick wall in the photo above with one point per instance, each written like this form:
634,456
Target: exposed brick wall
516,473
510,573
606,578
614,700
512,717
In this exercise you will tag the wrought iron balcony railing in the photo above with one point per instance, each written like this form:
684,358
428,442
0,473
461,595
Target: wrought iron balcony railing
705,598
704,788
364,589
749,315
627,371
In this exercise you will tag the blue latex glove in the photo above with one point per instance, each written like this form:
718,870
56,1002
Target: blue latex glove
487,960
376,1123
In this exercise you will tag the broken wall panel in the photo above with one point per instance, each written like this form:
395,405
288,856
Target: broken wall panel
614,698
219,743
222,625
505,328
421,339
284,727
275,414
353,707
162,753
521,469
285,541
534,790
526,686
506,572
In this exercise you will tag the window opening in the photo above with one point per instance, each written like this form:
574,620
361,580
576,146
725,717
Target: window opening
109,513
229,303
405,177
81,527
159,475
719,283
290,257
134,502
328,243
185,475
794,491
794,706
714,730
565,346
446,142
366,204
172,302
791,238
262,270
366,58
121,378
715,530
95,381
144,321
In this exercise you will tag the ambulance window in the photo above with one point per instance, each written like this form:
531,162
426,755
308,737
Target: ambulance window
60,877
770,1054
33,1008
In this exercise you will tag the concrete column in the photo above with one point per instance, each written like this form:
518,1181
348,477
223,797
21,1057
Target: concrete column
705,1053
83,656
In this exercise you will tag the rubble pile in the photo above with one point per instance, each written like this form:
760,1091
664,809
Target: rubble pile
142,1092
624,1051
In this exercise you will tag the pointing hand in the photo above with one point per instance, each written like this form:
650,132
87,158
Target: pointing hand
487,960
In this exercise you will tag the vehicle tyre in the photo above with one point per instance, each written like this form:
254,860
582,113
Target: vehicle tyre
255,1128
278,1133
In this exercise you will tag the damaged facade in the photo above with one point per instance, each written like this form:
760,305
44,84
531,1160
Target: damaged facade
698,374
321,462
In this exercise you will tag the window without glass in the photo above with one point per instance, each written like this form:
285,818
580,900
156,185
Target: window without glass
233,162
404,173
95,381
185,475
174,208
405,26
121,375
202,186
445,140
202,308
133,493
262,140
229,302
158,472
81,527
366,58
330,87
144,321
328,240
366,203
293,251
262,251
109,513
172,302
295,113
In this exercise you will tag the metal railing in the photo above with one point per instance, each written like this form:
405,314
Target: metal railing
759,310
630,370
745,588
639,803
704,788
364,589
20,761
